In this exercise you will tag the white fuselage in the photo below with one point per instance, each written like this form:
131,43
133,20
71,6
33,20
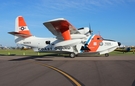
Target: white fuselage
107,46
43,44
50,44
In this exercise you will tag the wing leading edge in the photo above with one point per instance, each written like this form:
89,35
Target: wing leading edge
61,28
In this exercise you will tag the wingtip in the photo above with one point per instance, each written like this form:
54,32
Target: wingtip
57,19
53,20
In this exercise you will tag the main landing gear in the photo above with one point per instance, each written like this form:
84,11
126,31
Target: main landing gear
72,55
107,54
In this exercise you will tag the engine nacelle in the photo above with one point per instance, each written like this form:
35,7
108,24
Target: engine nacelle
84,30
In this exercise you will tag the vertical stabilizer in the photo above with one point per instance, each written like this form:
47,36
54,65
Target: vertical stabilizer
21,29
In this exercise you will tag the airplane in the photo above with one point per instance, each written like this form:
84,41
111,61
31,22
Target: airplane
124,50
68,39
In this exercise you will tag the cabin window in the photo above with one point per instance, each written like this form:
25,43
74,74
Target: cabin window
47,42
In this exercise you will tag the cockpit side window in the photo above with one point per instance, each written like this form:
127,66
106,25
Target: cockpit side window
99,38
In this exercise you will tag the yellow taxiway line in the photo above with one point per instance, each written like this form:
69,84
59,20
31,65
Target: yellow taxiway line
61,72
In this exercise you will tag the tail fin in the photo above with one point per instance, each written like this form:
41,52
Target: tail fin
21,29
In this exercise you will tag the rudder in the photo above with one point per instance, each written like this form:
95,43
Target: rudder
21,29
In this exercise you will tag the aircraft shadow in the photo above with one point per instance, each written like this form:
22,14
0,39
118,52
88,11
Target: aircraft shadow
133,84
35,57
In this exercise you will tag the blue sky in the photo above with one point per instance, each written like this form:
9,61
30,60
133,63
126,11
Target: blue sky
114,19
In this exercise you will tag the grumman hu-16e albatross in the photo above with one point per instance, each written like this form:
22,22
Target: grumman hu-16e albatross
68,39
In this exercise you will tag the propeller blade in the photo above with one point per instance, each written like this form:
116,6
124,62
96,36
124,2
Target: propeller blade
90,30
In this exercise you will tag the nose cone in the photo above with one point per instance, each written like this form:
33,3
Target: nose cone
119,43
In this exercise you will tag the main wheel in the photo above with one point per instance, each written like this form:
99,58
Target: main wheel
72,55
107,54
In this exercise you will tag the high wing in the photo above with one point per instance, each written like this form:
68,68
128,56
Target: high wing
61,28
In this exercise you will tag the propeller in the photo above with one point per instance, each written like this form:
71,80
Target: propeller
90,30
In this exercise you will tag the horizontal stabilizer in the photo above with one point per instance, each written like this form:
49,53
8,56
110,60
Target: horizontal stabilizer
20,34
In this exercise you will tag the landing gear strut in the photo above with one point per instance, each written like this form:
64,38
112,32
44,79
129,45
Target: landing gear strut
72,55
107,54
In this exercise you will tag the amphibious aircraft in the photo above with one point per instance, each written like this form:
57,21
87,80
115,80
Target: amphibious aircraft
68,39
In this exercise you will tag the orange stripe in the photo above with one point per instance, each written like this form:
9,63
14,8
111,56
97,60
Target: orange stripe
66,35
27,32
21,21
63,27
95,43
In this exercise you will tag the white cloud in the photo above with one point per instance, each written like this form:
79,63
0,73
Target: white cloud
81,4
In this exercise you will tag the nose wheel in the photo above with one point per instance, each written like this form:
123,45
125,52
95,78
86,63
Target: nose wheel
107,54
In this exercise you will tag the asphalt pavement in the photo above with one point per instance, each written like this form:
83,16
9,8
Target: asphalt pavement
65,71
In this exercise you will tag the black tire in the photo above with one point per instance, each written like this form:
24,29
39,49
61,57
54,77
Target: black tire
107,54
76,55
72,55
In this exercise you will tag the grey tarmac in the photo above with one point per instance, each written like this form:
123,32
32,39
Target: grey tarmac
47,71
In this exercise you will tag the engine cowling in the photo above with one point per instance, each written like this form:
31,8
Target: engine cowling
84,30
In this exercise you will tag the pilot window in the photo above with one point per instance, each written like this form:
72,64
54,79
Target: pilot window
99,38
47,42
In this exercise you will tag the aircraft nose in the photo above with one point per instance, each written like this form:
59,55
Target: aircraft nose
119,43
